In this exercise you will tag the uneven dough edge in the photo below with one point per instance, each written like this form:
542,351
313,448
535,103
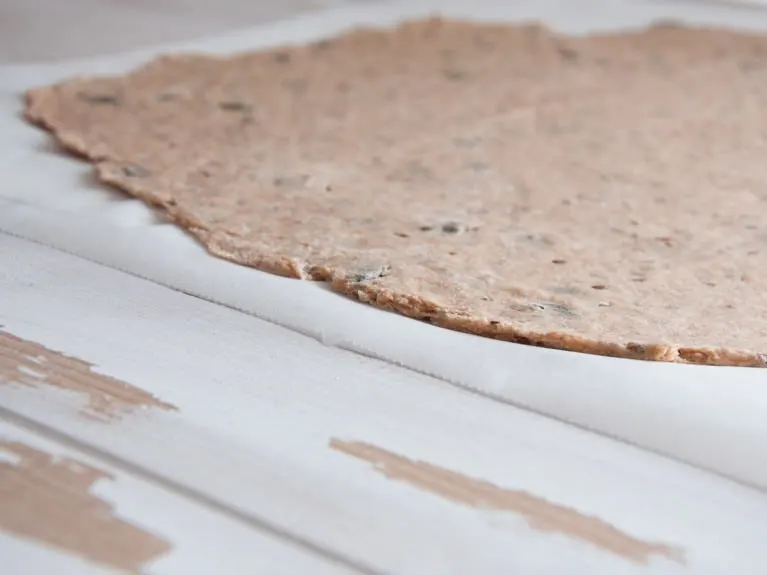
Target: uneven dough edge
241,253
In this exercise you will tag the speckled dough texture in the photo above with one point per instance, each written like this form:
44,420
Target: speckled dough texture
602,194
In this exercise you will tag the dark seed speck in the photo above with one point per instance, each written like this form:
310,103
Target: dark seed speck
104,99
637,348
290,181
282,57
135,171
454,75
233,106
479,166
567,53
666,241
557,308
369,274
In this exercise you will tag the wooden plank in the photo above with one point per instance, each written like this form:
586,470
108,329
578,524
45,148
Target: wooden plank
394,470
62,511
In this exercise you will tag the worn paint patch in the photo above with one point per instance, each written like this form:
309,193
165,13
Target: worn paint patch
539,513
48,499
28,363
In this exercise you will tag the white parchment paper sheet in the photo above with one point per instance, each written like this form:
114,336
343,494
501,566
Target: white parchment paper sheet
715,418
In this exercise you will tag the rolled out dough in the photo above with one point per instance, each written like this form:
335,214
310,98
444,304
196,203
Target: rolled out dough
602,194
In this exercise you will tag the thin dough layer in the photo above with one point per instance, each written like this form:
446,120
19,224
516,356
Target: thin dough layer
602,194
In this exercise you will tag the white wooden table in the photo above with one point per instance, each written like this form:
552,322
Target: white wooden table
144,430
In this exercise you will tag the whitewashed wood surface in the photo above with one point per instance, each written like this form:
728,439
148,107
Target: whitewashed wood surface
256,409
178,534
253,449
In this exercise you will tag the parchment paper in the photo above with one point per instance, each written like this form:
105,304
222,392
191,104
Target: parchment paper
714,418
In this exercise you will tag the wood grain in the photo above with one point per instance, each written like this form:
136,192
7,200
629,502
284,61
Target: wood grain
258,406
28,363
539,513
63,511
49,499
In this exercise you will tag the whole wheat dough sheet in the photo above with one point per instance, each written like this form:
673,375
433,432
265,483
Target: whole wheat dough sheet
602,194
